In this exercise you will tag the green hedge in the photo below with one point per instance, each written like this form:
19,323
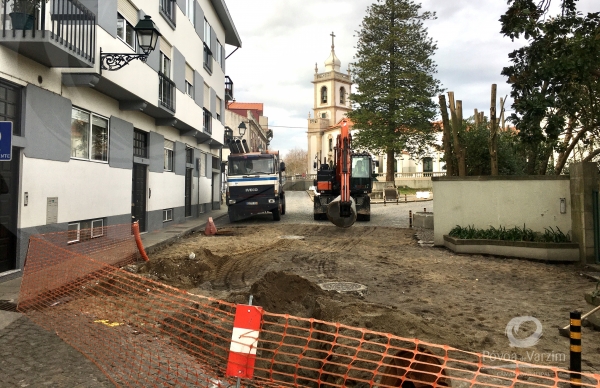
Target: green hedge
512,234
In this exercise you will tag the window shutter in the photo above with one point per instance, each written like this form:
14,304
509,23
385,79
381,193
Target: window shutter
189,74
128,11
165,47
206,97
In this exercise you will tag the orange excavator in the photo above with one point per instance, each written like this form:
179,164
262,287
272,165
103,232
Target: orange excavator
342,189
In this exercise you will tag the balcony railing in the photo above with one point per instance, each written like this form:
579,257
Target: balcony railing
67,22
228,89
415,174
166,92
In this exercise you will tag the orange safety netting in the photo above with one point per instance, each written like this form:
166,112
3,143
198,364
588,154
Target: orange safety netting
142,333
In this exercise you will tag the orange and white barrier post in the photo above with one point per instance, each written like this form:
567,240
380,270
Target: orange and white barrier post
244,340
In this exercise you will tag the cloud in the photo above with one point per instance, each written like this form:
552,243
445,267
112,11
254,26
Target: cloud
283,39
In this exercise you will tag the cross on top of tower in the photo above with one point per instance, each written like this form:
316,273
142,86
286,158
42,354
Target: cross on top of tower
332,42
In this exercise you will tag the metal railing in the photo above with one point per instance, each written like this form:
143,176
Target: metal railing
68,22
228,88
415,174
166,92
207,121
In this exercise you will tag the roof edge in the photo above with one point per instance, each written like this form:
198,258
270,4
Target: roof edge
231,35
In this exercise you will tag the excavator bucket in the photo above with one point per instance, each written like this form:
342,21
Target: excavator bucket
342,214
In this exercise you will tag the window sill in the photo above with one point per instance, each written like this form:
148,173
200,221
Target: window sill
89,160
208,70
169,21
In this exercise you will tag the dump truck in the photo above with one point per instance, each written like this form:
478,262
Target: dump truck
254,182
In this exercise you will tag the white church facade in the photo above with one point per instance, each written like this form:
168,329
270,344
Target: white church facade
331,91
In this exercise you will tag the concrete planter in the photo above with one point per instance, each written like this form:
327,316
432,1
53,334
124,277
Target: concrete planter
524,249
423,220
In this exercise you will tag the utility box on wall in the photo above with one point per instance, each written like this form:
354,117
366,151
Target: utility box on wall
52,210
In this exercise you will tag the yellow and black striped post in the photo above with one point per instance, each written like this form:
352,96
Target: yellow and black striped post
575,356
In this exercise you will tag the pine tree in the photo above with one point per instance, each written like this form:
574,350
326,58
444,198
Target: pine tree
394,72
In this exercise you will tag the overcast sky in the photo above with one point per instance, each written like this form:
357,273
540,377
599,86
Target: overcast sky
282,40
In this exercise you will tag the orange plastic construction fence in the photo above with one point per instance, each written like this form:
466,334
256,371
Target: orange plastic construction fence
142,333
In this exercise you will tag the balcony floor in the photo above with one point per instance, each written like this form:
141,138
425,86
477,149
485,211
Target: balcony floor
43,49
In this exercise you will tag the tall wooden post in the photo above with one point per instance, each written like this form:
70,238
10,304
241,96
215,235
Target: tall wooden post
447,138
476,116
456,127
502,113
493,133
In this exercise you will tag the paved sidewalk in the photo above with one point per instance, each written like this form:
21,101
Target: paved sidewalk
30,356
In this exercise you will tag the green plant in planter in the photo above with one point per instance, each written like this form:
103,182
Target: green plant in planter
28,7
23,13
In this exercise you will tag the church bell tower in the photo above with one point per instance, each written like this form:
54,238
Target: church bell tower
331,91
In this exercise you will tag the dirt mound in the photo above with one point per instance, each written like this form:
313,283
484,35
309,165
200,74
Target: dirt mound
284,293
181,272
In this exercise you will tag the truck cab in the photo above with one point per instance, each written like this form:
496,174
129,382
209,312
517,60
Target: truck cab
255,185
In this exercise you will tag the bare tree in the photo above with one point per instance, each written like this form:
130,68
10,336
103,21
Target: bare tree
296,161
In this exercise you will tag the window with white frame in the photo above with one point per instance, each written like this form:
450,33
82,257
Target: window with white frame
219,54
189,10
218,108
74,233
126,32
208,54
207,32
169,146
189,80
89,136
167,215
80,231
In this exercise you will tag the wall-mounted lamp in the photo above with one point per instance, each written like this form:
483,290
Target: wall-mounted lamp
563,205
147,36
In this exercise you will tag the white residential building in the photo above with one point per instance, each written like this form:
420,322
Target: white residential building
95,147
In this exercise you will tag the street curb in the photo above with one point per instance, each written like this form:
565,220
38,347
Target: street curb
155,247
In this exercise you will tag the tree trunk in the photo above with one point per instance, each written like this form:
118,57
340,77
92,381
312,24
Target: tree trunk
493,133
390,174
446,140
456,127
569,144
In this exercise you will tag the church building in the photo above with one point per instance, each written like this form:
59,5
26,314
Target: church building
331,103
331,91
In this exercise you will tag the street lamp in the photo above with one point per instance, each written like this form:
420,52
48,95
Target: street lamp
242,129
147,34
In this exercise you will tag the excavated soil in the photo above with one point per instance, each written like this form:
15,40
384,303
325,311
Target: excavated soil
464,301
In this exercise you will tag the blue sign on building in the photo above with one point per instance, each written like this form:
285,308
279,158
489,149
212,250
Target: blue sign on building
5,141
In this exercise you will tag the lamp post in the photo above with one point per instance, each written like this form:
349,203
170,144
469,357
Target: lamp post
241,130
147,34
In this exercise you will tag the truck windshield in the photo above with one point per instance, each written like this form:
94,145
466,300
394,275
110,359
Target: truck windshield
245,166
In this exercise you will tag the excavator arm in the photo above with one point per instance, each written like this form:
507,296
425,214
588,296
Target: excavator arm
342,210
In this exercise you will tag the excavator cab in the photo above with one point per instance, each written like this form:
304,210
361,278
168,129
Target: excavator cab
361,181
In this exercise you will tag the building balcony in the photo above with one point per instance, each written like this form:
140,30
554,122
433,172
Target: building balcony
228,89
61,33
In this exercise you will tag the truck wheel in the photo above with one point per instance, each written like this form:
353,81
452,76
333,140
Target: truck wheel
283,206
318,217
276,215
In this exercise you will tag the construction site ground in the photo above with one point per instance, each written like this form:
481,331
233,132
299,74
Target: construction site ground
413,290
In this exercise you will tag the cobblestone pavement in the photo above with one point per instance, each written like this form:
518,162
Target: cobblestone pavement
33,357
299,210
